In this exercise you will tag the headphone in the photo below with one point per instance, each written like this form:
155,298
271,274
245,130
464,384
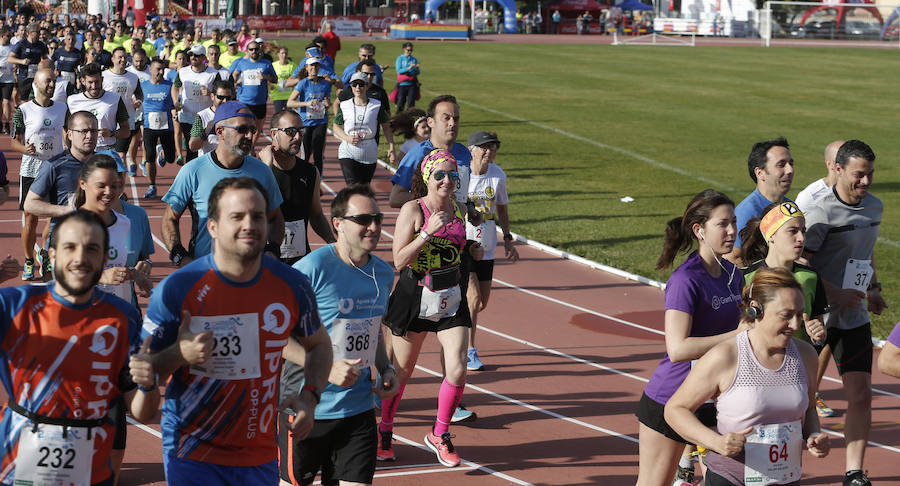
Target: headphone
754,310
702,236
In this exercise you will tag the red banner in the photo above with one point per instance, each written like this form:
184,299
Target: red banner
307,7
312,22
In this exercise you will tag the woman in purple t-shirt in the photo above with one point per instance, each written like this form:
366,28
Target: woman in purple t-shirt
702,310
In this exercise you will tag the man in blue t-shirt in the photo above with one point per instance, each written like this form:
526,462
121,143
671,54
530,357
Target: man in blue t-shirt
252,76
27,54
234,125
443,118
771,167
366,51
351,287
158,123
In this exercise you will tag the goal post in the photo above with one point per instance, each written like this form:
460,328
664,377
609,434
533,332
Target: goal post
779,20
655,39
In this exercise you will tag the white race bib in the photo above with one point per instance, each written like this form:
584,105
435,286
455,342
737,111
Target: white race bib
462,185
68,76
45,145
772,454
253,77
282,88
235,353
195,92
858,274
294,244
32,70
485,233
157,120
355,339
45,457
437,304
316,111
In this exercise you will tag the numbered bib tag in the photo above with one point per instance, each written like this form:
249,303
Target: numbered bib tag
235,352
294,244
858,274
355,339
120,89
462,185
253,77
196,92
282,88
773,453
32,70
316,111
438,304
157,120
485,233
45,145
46,457
68,76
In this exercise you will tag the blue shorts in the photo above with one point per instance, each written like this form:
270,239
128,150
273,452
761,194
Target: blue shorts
185,472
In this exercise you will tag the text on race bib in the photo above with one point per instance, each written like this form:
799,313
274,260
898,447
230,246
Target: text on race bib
773,454
355,339
46,457
235,352
294,244
858,274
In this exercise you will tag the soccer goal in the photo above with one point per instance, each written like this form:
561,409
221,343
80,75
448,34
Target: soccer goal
656,40
780,20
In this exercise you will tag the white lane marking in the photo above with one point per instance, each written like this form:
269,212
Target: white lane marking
145,428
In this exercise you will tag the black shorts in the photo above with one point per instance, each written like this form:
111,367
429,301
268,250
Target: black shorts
258,110
25,89
121,144
6,90
484,269
342,449
851,348
403,309
24,185
650,413
117,416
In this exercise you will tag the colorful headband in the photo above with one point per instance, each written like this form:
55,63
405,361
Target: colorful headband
775,219
434,158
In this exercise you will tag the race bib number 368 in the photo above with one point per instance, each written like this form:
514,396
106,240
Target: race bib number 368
235,352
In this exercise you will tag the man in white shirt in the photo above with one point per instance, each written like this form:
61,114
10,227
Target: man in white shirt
816,189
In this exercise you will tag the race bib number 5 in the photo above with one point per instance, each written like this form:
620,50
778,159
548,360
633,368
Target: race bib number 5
235,352
772,454
46,456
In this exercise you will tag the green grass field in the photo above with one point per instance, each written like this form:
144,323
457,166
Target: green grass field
583,126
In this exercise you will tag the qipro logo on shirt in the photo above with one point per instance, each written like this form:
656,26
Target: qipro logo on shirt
719,301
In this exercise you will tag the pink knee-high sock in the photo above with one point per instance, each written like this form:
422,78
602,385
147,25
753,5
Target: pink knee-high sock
448,400
389,409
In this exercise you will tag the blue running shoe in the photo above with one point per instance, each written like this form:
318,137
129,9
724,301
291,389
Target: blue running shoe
462,415
28,272
474,364
132,170
160,156
151,192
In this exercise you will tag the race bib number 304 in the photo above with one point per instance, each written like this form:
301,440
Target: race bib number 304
46,457
235,352
773,453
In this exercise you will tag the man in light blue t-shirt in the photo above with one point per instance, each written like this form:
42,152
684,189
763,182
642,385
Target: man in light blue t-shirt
235,126
252,75
771,167
351,287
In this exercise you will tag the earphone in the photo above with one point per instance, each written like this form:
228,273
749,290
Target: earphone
754,311
702,237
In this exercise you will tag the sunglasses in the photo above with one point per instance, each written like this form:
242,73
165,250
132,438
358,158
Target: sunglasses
366,219
290,131
252,49
452,174
242,129
223,97
358,84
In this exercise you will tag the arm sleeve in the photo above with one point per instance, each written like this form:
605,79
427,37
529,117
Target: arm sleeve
163,316
43,181
501,197
406,169
680,295
197,127
179,194
268,179
18,122
339,117
308,321
816,230
177,82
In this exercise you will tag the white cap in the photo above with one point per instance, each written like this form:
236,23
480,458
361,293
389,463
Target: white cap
197,50
358,76
258,40
312,60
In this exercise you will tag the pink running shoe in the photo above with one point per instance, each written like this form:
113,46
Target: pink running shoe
385,447
443,448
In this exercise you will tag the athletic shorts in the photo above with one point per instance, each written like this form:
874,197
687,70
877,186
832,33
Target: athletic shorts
403,309
483,269
851,348
25,89
650,413
121,144
258,110
117,415
24,185
342,449
185,472
6,90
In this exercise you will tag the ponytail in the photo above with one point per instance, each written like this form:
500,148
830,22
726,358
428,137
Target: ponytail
679,234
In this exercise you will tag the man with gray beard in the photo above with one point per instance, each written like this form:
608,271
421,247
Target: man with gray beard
235,126
299,184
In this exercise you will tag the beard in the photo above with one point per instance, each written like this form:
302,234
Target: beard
292,149
242,149
60,276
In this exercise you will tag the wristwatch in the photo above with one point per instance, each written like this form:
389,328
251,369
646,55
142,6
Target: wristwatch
177,254
507,237
315,392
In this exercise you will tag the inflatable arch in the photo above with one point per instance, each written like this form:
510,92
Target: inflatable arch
509,12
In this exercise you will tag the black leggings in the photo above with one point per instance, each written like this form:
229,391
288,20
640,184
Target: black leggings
406,94
152,137
189,154
357,172
314,145
279,105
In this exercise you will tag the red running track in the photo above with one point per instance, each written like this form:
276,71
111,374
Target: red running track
568,351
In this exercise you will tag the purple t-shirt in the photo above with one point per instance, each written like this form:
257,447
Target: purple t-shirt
714,307
894,338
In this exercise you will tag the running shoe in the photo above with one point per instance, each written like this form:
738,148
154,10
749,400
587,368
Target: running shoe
462,415
684,477
160,156
857,478
822,408
144,168
474,364
179,160
132,170
385,447
44,262
151,192
28,272
443,448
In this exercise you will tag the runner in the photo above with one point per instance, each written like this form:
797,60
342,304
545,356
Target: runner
231,53
351,287
7,80
107,106
280,92
888,359
219,327
190,90
202,139
38,137
139,66
47,334
299,185
764,386
68,58
311,96
27,53
413,125
429,239
702,310
252,75
127,85
487,189
355,125
213,54
158,123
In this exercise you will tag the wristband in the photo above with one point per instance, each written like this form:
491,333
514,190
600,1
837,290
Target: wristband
177,254
424,235
148,389
507,237
874,286
314,391
386,368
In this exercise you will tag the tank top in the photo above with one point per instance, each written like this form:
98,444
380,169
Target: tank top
43,128
297,186
361,121
445,245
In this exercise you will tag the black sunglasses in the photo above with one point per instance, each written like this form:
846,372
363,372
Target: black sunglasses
251,49
223,97
290,131
358,84
366,219
452,174
242,129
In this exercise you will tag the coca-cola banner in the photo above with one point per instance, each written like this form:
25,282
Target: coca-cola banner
348,25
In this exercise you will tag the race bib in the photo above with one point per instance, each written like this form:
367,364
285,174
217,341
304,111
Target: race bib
316,111
157,120
69,76
196,91
235,353
120,89
45,145
253,77
462,185
485,233
355,339
438,304
49,457
282,88
294,244
773,453
32,70
858,274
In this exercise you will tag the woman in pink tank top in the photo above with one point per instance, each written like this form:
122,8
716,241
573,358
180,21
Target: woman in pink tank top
764,382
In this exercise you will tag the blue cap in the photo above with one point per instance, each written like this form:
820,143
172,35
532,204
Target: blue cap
230,109
120,166
314,52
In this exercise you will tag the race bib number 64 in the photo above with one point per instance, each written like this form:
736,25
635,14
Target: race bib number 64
773,453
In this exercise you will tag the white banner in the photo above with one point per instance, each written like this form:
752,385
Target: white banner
345,27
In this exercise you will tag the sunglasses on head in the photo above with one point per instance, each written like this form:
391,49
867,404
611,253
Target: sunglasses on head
452,174
366,219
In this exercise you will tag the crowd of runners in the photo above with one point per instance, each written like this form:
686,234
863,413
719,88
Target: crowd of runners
278,360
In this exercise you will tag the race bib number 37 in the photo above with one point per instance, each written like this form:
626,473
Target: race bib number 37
772,454
47,457
858,274
235,352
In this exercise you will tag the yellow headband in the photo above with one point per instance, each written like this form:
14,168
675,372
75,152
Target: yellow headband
434,158
775,219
